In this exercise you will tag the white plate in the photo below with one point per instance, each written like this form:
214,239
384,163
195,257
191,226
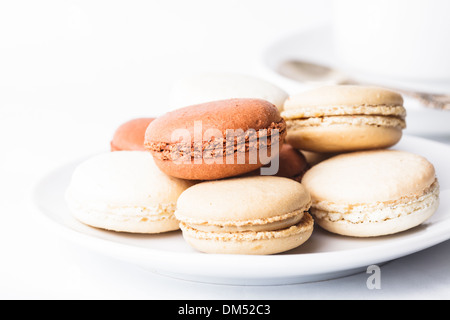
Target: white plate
316,46
324,256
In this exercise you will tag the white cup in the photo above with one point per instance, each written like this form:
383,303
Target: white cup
397,39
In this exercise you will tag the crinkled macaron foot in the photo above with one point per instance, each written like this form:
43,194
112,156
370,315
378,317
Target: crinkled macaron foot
253,215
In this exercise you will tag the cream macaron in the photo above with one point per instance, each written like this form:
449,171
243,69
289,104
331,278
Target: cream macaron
214,86
124,191
252,215
372,193
344,118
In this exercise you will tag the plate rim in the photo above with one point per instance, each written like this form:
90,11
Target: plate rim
292,265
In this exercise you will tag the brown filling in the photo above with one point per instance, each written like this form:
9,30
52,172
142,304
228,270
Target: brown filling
219,147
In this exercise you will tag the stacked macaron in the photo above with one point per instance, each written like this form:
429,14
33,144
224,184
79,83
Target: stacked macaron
227,166
130,135
253,215
358,187
344,118
217,139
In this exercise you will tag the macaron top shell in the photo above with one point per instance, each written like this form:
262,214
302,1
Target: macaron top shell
369,177
124,178
130,135
221,86
242,199
344,95
217,115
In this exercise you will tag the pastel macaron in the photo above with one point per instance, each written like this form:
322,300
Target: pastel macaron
130,135
344,118
216,140
252,215
292,163
372,193
212,86
124,191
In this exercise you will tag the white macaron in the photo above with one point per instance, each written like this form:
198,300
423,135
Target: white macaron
125,191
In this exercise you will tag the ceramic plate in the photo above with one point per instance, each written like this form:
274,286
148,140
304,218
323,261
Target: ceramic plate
316,46
324,256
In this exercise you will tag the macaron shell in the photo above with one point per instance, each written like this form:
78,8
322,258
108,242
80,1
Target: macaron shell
199,120
369,177
381,228
190,129
130,136
251,243
124,178
344,95
343,138
124,191
241,199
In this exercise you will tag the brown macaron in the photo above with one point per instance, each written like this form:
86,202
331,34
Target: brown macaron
217,139
293,163
130,135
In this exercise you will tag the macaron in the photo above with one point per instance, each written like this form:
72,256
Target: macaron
206,87
124,191
372,193
252,215
130,135
216,140
292,163
344,118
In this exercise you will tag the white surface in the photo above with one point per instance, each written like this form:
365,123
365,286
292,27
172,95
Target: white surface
309,262
73,71
316,45
205,87
403,39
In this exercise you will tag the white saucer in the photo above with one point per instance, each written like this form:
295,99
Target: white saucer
316,46
324,256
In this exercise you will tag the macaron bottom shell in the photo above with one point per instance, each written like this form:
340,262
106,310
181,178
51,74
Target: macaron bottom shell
374,221
380,228
343,138
250,243
131,224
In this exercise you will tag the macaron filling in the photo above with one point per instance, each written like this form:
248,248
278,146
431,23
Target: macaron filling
376,212
257,225
219,147
347,120
382,116
303,226
321,111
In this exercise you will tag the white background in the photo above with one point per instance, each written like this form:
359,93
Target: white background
72,71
